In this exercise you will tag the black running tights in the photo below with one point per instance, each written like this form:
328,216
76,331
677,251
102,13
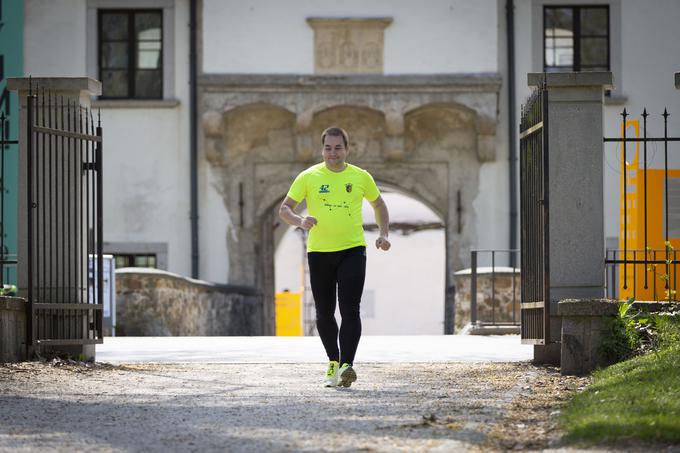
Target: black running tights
346,270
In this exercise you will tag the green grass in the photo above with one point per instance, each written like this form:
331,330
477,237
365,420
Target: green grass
635,399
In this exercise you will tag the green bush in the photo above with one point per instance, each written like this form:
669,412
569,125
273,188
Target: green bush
667,327
633,332
619,343
8,290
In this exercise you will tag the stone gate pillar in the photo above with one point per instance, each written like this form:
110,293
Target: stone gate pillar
77,90
576,198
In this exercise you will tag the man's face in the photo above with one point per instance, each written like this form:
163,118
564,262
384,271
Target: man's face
334,151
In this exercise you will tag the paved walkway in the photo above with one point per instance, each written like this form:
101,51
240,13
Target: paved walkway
255,407
257,394
374,349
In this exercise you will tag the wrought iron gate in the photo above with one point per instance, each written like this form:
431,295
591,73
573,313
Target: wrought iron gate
535,282
64,252
647,261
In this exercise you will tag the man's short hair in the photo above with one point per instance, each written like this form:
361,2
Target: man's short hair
335,132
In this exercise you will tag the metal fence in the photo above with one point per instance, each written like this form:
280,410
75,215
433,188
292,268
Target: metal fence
645,265
656,282
8,261
498,308
64,219
535,284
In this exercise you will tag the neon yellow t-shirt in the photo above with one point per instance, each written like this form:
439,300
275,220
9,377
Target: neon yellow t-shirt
334,199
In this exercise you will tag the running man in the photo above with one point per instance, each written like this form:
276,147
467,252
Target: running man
336,247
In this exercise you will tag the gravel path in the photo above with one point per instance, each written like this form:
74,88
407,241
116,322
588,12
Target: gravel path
277,407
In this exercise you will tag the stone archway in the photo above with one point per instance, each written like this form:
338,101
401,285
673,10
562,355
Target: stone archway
428,141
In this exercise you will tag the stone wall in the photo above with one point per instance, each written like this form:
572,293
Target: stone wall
586,325
150,302
503,288
12,329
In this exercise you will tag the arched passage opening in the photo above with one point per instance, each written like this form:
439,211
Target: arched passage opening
404,293
427,141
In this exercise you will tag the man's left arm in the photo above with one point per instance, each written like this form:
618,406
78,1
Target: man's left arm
382,217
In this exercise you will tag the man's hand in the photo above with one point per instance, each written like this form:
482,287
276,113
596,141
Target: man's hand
382,243
308,222
382,218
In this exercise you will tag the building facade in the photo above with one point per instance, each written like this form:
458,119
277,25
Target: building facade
430,91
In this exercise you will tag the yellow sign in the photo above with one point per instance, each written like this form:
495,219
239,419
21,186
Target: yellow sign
289,314
645,283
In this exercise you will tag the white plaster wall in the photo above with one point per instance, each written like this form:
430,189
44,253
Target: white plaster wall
146,183
406,284
54,38
492,204
650,37
213,226
649,58
147,154
432,36
524,62
146,150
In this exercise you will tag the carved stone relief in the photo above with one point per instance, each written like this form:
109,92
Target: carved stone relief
348,46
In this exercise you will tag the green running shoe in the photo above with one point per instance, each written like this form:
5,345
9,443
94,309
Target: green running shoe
331,374
347,375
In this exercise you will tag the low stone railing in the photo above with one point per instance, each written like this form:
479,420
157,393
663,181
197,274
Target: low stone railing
12,329
151,302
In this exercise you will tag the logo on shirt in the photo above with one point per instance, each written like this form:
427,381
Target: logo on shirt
348,187
324,188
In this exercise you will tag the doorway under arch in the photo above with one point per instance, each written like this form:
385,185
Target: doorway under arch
404,293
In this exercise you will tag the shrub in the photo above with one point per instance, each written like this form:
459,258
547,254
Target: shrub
633,332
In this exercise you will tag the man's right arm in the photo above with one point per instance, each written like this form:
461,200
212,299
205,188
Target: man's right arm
288,215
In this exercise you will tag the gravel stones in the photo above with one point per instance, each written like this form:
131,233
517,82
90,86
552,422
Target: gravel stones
270,407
